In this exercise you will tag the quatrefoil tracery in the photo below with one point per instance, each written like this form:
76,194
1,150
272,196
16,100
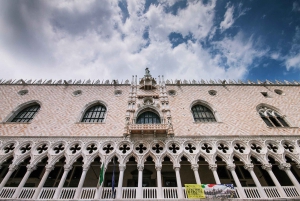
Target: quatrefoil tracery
9,148
59,148
91,148
288,147
272,147
75,148
190,147
124,148
239,147
222,147
141,148
108,148
42,148
206,147
157,148
174,148
25,148
256,147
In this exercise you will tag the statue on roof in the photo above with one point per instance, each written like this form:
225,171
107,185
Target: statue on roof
147,72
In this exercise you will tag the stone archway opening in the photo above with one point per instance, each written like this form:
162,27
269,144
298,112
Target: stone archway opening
243,174
111,177
168,173
281,176
93,173
186,172
18,174
262,175
206,175
5,167
129,180
294,169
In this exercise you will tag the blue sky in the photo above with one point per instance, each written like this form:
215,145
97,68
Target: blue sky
176,38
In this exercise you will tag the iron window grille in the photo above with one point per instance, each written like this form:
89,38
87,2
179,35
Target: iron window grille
202,114
27,114
94,114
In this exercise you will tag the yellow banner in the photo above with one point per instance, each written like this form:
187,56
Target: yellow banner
194,191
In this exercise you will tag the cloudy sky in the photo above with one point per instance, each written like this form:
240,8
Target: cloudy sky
180,39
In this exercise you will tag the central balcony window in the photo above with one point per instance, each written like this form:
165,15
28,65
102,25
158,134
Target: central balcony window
148,118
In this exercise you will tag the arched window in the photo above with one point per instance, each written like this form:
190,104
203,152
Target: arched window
203,114
94,114
27,114
271,117
148,118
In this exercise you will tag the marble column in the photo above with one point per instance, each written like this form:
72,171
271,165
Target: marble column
178,180
213,168
49,168
268,168
287,168
159,183
11,169
231,168
120,183
67,168
85,168
195,168
139,193
261,191
30,168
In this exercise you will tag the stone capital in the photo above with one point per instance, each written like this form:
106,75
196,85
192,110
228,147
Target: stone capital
285,166
158,167
68,167
13,167
122,167
249,167
31,168
195,167
85,167
176,167
140,167
267,166
49,168
230,167
213,167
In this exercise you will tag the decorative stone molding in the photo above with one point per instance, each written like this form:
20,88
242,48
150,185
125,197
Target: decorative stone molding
285,166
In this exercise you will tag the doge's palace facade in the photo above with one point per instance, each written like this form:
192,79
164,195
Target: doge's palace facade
152,135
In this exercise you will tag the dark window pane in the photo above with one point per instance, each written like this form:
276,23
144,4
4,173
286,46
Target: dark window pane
267,121
148,118
94,114
202,114
282,122
27,114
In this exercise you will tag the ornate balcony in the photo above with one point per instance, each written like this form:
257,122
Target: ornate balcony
149,129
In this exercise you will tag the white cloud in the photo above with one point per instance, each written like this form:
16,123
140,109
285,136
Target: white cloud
292,60
228,18
88,40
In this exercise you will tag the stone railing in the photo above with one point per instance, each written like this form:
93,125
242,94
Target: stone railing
131,193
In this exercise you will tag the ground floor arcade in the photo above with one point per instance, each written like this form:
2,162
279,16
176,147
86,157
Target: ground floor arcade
152,169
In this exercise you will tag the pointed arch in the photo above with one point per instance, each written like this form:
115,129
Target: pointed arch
272,116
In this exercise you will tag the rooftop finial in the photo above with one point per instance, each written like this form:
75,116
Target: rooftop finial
147,72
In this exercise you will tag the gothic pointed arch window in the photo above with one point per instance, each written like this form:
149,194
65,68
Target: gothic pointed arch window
95,113
272,117
27,114
202,113
148,118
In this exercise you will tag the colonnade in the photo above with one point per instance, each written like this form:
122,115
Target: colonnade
140,167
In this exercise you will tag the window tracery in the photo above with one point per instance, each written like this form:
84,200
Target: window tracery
272,118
